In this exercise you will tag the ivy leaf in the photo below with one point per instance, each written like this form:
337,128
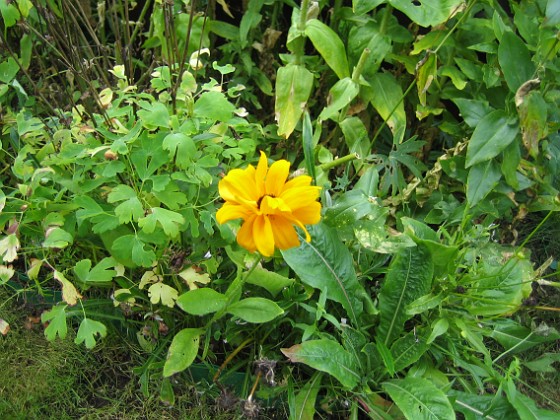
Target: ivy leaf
88,330
99,274
164,293
169,221
69,293
56,318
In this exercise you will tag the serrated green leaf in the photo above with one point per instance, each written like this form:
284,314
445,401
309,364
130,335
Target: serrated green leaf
256,310
56,318
327,356
490,137
182,351
129,210
419,399
129,247
409,277
153,115
329,45
170,221
181,148
326,264
119,193
88,331
293,87
202,301
99,274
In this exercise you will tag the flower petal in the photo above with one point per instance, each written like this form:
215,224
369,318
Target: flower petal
298,181
271,205
285,235
296,198
245,235
263,236
308,215
276,177
239,184
231,211
260,174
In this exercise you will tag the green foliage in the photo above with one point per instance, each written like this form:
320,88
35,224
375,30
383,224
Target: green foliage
431,129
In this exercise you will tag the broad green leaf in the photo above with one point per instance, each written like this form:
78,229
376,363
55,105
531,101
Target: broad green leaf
56,318
170,221
273,282
101,273
386,357
164,293
329,45
357,138
543,363
363,6
181,148
368,36
201,301
472,110
129,210
214,106
88,331
482,179
419,399
526,407
424,303
439,327
532,111
552,13
9,13
386,97
70,294
492,135
306,398
515,60
182,351
471,405
171,196
516,339
131,247
8,70
153,115
341,95
408,349
326,264
409,277
327,356
293,87
57,238
255,309
427,12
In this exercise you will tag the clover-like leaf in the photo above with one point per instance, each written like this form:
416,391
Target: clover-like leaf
88,330
164,293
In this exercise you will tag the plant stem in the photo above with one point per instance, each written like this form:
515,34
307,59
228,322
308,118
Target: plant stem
360,66
340,161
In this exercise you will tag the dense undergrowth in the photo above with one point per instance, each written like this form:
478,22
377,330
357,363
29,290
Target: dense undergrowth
428,288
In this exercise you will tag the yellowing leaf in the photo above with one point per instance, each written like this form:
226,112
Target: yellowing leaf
167,294
191,277
69,293
34,268
9,247
6,273
4,327
149,277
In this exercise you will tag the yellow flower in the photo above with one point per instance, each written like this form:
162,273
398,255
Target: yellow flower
269,205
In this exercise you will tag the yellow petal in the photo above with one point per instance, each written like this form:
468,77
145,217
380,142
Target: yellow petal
276,177
245,235
260,174
231,212
271,205
239,184
300,197
285,236
308,215
263,236
298,181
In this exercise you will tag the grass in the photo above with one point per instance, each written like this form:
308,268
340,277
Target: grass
41,380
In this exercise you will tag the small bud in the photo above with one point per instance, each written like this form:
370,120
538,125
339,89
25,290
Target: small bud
110,155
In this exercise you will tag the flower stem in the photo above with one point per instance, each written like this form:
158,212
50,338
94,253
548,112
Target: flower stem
340,161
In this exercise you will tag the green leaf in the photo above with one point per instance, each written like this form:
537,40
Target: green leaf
327,356
544,363
131,247
329,45
169,221
419,399
181,148
363,6
56,318
341,95
386,357
492,135
214,106
526,407
532,111
153,115
426,74
256,310
120,193
9,13
293,87
8,70
326,264
427,12
129,210
409,277
515,60
99,274
273,282
356,137
517,339
57,238
202,301
408,349
306,398
472,110
88,330
182,351
368,36
482,179
471,405
164,293
386,97
552,13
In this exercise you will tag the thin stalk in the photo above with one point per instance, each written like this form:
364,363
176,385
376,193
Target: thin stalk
360,66
340,161
230,358
387,13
